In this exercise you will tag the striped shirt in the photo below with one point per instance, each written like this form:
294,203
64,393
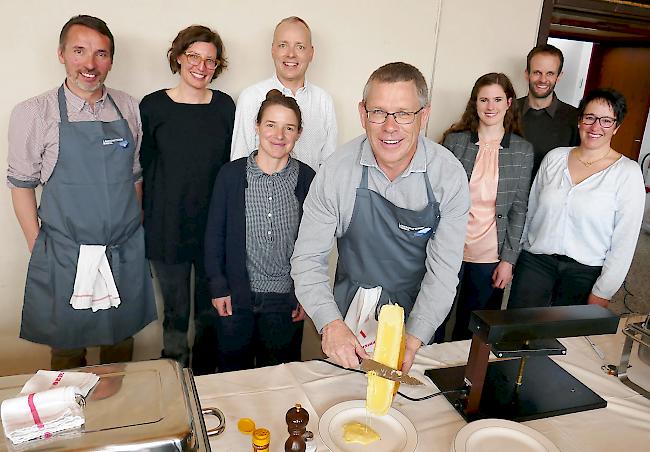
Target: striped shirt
34,132
272,220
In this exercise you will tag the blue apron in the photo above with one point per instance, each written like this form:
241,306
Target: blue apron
89,200
385,246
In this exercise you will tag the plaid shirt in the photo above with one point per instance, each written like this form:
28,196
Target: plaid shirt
515,166
272,220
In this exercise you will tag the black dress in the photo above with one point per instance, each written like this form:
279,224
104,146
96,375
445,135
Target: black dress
183,148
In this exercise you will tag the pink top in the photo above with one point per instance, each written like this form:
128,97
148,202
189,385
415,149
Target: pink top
481,239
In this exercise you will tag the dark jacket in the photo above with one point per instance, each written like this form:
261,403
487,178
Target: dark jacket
515,165
225,235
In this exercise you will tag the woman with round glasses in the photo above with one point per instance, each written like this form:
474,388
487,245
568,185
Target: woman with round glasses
498,161
584,215
187,132
252,227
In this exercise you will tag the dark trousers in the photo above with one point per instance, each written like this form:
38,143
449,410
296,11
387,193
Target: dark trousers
550,280
69,358
474,292
260,335
175,282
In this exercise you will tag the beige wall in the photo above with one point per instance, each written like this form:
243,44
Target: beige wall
475,38
351,40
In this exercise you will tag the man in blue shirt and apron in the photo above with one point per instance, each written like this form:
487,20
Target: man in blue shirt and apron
397,203
90,197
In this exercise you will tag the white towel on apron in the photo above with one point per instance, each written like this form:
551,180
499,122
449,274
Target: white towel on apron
361,317
94,286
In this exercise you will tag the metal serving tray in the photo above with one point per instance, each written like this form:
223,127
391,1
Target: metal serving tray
147,405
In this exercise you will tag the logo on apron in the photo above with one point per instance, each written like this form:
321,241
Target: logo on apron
119,141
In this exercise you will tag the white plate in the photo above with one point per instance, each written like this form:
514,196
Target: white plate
396,431
499,435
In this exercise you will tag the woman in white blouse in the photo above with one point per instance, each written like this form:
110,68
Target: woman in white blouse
584,215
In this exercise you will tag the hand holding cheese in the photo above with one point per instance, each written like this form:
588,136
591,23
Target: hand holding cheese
412,346
389,350
340,344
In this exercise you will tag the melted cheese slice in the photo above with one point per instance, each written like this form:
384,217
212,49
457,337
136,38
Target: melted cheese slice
356,432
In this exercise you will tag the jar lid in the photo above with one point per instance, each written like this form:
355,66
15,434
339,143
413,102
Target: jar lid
261,434
246,425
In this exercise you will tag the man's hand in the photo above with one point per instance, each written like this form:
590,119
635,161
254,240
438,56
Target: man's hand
502,275
412,346
24,201
298,314
223,306
340,344
593,299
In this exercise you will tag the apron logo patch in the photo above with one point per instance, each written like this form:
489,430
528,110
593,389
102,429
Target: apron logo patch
416,230
120,141
404,227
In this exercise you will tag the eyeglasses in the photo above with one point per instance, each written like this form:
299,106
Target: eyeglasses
401,117
195,59
605,121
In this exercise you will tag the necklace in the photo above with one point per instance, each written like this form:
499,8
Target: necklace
588,163
489,145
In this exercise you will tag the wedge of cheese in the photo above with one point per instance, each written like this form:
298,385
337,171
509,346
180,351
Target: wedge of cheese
389,350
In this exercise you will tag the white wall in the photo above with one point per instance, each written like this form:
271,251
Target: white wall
476,38
577,55
464,38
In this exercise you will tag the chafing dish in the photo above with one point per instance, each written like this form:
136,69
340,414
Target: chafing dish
148,405
636,333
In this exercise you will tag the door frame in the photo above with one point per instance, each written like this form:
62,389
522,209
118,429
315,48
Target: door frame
621,21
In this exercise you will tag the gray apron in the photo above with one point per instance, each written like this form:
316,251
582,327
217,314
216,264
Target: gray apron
385,246
90,200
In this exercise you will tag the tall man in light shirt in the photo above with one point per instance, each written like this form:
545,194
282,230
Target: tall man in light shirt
397,203
80,141
292,51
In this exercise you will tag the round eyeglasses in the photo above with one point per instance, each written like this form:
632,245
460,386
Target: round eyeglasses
401,117
605,121
195,59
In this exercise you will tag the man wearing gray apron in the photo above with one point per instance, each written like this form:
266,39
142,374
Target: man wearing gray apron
88,198
398,204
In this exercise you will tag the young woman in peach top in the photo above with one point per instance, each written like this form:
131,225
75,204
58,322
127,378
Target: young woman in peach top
487,141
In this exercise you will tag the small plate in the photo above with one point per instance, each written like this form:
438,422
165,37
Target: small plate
499,435
396,431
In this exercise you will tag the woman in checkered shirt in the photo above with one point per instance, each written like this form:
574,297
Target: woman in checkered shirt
252,227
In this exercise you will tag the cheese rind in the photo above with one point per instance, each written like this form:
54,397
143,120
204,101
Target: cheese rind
389,350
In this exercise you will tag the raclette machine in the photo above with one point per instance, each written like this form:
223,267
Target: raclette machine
525,383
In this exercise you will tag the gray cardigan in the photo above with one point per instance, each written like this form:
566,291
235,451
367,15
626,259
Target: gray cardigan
515,166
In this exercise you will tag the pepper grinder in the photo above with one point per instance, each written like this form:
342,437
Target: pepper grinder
297,419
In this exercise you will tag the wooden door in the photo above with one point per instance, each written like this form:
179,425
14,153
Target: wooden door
626,69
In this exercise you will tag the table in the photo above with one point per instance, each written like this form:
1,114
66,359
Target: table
266,394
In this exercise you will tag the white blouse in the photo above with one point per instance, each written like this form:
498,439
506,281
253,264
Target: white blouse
595,222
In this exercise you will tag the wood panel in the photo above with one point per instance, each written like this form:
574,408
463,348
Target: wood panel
626,69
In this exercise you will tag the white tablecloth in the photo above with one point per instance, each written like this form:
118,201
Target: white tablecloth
266,394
